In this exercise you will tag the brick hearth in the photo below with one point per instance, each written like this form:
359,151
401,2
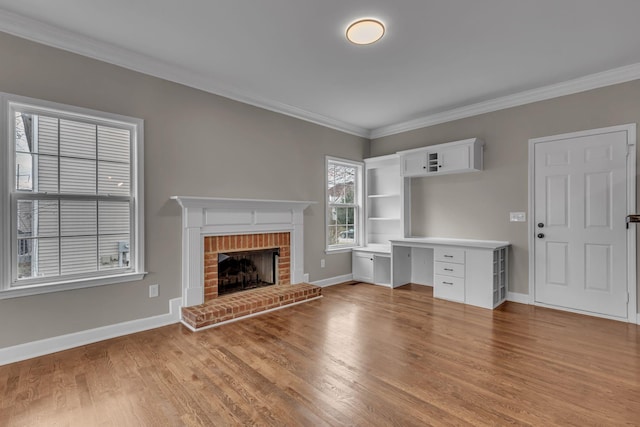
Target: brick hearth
242,304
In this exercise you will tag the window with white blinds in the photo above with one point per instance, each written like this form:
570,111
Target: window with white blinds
75,196
343,203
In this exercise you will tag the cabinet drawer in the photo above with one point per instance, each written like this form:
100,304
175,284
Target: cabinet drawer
449,255
447,287
449,269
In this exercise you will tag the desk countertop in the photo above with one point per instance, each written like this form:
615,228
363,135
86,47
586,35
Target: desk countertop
375,248
443,241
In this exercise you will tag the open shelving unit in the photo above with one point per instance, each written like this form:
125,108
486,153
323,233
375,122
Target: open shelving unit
386,191
499,276
384,205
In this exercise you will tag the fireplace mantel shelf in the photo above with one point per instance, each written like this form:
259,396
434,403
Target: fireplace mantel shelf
228,203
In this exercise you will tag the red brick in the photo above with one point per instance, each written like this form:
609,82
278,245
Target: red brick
240,304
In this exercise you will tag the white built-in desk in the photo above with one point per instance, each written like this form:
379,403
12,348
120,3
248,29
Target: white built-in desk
468,271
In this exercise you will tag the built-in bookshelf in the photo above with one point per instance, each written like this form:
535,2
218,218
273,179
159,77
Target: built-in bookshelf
384,205
386,193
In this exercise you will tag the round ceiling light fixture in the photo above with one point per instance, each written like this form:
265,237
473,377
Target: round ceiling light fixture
365,31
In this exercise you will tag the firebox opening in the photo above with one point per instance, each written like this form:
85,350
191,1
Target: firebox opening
239,271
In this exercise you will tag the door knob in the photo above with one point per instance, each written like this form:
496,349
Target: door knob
540,225
540,235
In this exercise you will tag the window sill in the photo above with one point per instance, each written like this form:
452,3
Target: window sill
339,250
45,288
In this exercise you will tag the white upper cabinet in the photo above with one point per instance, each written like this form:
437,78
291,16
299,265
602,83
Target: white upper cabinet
452,157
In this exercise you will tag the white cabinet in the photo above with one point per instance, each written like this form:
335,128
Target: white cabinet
414,164
452,157
449,273
372,266
489,286
473,272
362,266
457,158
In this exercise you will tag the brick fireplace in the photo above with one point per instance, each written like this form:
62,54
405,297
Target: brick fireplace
215,245
213,226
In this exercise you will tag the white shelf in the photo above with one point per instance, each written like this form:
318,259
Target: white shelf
383,219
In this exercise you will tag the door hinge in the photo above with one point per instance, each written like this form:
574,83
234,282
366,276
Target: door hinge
628,297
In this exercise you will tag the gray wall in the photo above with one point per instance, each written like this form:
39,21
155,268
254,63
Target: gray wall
196,144
477,205
204,145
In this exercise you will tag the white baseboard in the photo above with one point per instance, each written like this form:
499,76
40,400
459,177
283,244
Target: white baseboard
64,342
517,297
333,280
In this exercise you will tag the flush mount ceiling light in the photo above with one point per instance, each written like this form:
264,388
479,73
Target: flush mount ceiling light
365,31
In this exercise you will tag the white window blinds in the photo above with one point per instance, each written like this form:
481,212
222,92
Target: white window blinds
74,202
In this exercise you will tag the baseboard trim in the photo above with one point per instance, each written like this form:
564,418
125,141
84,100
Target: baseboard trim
38,348
215,325
333,281
517,297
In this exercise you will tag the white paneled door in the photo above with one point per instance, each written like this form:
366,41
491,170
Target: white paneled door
581,199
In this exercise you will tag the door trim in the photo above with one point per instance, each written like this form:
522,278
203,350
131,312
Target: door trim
630,129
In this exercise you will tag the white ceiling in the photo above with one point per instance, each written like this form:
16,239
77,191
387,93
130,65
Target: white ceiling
438,59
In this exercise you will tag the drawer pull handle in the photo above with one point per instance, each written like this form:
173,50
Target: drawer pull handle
448,256
448,269
447,283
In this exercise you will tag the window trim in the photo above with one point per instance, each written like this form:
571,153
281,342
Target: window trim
359,203
8,287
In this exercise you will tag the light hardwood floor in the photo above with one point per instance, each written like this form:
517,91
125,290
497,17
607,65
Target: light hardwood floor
362,355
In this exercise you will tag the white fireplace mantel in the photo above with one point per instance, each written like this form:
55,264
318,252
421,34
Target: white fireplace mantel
214,216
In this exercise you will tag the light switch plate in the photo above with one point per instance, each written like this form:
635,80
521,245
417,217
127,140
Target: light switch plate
517,217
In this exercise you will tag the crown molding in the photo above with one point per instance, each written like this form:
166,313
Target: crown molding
40,32
582,84
60,38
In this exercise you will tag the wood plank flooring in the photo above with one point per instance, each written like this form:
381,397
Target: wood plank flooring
362,355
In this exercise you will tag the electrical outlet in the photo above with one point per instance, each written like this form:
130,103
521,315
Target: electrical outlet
517,217
322,263
153,290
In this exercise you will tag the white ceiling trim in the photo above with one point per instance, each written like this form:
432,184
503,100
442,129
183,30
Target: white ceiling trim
51,35
582,84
